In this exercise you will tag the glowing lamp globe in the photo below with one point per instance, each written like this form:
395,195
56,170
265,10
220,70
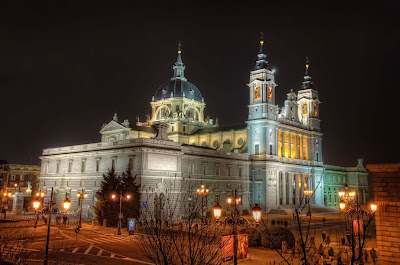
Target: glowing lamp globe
256,213
229,201
113,196
78,194
36,204
42,194
67,204
352,194
373,206
85,195
128,197
5,194
217,211
342,205
341,193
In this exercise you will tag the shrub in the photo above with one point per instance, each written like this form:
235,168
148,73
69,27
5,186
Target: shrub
277,236
254,236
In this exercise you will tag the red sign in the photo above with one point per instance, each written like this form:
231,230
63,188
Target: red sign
358,226
227,246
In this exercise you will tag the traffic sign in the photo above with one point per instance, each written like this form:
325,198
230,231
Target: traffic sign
77,230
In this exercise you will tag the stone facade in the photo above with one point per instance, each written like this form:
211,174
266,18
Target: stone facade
16,176
386,185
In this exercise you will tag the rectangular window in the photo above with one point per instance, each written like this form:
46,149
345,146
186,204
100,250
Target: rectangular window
317,158
47,167
97,164
172,128
240,171
270,149
218,170
256,149
204,170
69,166
130,166
184,128
239,186
191,168
83,165
113,164
21,177
12,177
229,171
216,198
58,166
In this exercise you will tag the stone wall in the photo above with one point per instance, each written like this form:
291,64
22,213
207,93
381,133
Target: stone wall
386,185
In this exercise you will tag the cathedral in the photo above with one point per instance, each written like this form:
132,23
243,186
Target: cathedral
270,159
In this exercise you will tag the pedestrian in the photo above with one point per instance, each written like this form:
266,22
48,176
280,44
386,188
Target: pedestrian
330,252
372,252
328,240
366,256
312,242
324,236
321,250
343,241
65,218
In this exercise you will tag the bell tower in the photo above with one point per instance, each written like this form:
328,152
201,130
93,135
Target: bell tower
262,107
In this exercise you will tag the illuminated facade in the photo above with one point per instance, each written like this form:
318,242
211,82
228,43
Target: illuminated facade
270,159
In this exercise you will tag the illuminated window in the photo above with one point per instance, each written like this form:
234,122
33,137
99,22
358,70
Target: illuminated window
286,135
315,110
305,109
305,149
299,146
293,145
270,93
257,92
280,143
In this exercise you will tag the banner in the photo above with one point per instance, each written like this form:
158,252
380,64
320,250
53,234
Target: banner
227,246
358,226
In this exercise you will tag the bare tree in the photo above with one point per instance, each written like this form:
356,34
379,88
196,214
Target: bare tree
172,232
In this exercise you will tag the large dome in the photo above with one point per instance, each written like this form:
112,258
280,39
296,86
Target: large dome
179,88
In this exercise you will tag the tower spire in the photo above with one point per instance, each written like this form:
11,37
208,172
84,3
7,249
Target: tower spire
262,62
179,68
307,83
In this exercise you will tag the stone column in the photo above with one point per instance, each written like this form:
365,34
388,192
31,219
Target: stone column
302,186
296,148
283,143
284,188
278,183
296,188
290,187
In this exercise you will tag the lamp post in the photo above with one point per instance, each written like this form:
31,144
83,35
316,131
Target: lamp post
349,199
202,192
308,194
235,219
81,197
46,256
121,198
36,205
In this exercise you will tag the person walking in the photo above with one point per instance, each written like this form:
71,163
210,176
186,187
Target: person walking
372,252
343,241
331,252
324,236
328,240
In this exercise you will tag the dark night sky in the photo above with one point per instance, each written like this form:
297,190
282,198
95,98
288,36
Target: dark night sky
65,66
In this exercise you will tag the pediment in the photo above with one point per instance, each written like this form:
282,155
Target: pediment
113,126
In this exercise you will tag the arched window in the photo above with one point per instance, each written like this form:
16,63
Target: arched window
270,93
257,92
315,110
305,109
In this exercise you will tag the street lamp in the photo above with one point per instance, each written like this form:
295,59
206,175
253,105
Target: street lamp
36,204
121,198
202,192
67,204
357,225
81,197
308,193
235,219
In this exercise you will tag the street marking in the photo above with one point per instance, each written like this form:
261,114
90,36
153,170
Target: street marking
75,250
99,253
112,255
89,249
